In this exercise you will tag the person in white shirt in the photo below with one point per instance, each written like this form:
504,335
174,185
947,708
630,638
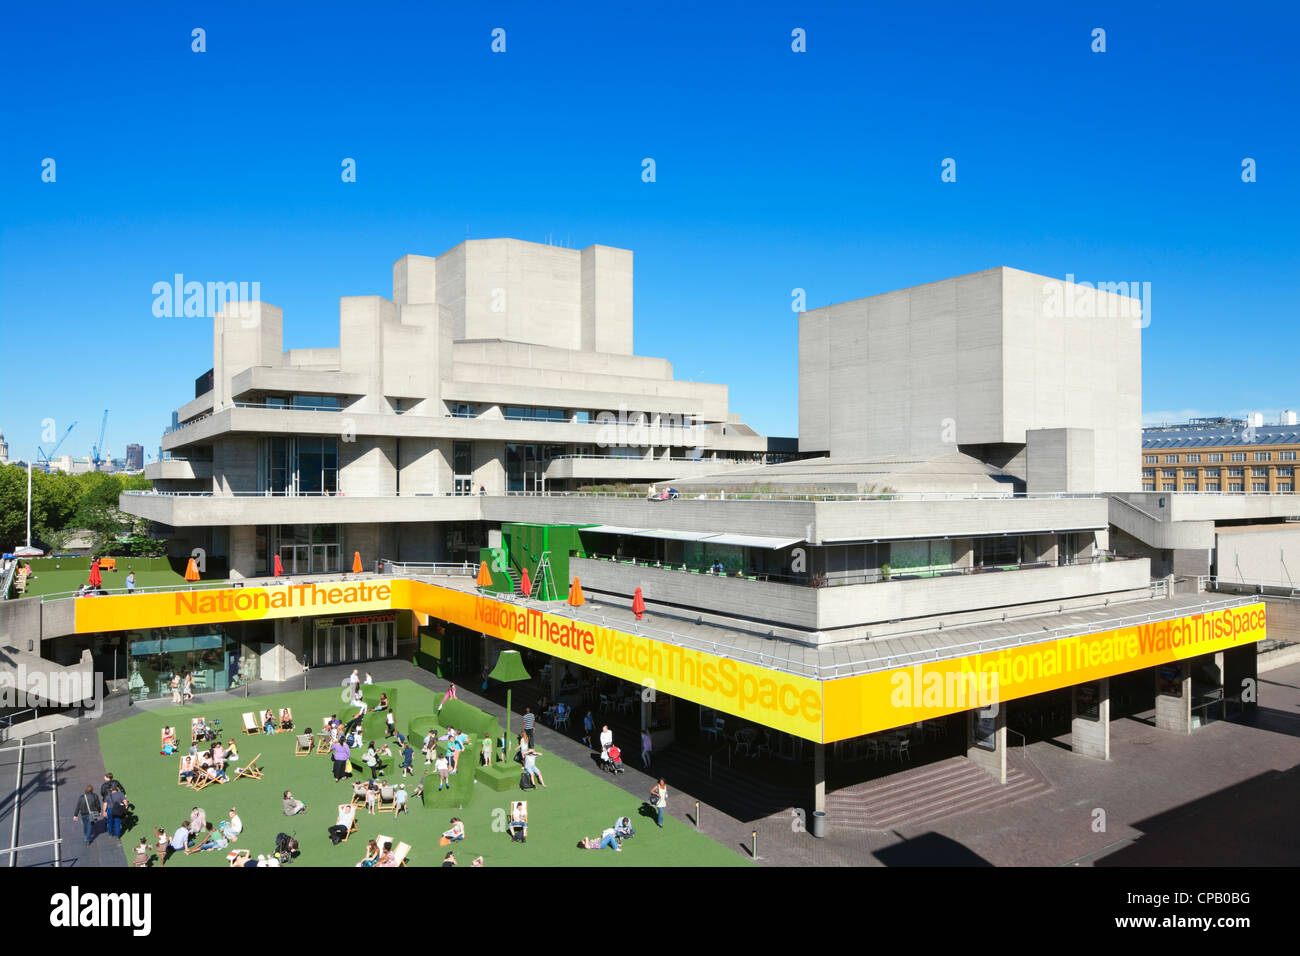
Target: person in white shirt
606,738
231,828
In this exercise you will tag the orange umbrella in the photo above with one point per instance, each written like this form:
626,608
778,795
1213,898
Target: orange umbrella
484,578
575,594
191,571
638,604
526,585
356,562
95,579
279,568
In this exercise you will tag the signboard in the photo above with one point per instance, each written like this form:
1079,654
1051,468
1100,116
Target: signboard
1087,701
985,730
815,710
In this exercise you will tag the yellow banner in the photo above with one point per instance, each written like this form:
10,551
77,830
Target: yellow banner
765,696
121,612
815,710
893,698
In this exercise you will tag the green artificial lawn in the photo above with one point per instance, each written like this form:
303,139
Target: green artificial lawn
55,582
575,802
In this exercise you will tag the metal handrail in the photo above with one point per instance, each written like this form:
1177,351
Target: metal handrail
640,496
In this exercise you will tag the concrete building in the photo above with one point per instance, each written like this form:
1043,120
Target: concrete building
989,364
499,367
953,545
134,458
1222,455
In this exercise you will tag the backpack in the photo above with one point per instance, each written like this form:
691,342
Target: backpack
525,782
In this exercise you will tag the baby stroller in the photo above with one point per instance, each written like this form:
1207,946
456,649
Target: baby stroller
286,848
611,760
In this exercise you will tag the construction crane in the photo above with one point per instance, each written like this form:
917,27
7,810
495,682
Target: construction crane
96,457
44,457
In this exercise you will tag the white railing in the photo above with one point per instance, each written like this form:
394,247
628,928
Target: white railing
1212,582
636,495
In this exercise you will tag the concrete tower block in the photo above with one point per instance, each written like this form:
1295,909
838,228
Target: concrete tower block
607,300
415,280
244,335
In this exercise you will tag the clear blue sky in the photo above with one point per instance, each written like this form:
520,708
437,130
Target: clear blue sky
775,170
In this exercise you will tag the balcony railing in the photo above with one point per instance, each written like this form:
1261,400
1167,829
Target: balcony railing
838,579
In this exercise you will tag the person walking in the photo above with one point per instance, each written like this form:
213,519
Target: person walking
606,738
187,686
529,721
647,742
130,582
88,808
112,797
176,688
659,799
588,726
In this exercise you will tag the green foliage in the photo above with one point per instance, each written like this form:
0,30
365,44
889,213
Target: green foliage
63,503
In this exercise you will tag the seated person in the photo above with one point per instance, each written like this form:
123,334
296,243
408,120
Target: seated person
383,702
212,840
623,828
456,832
268,722
609,839
232,753
230,829
240,858
347,816
141,853
187,768
518,825
290,805
169,737
372,854
286,719
386,855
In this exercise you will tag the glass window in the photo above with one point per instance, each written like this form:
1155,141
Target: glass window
1234,486
1263,456
1215,457
1211,473
1151,459
1148,486
1259,486
1284,487
1234,472
1238,456
1286,456
1211,486
1189,486
1171,459
1169,486
1284,471
1193,459
1259,472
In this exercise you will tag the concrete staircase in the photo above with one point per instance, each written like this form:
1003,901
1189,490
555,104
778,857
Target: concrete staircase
931,792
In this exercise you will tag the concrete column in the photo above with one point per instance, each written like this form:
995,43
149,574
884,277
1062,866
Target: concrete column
1174,697
993,761
1089,737
819,778
1241,676
244,559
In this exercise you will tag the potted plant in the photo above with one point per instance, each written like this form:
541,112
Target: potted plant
884,572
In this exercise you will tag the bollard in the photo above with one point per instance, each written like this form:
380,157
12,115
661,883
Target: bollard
697,814
754,852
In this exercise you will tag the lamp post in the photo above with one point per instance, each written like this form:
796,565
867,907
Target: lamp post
509,668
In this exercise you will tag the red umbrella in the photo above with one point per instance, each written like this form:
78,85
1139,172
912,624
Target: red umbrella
95,579
526,585
279,568
638,604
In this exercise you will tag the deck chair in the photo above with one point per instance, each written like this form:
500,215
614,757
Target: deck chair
286,718
358,794
162,738
400,851
347,818
387,800
303,745
250,724
195,734
187,766
250,770
202,778
323,742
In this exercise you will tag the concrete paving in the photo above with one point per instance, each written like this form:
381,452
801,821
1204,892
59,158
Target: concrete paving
1222,795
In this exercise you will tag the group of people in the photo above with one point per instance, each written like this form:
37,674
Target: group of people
195,835
182,686
111,802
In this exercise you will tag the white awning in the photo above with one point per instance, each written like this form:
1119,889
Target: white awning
705,537
613,529
752,541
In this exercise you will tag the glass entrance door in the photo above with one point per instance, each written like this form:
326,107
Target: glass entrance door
324,557
295,558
